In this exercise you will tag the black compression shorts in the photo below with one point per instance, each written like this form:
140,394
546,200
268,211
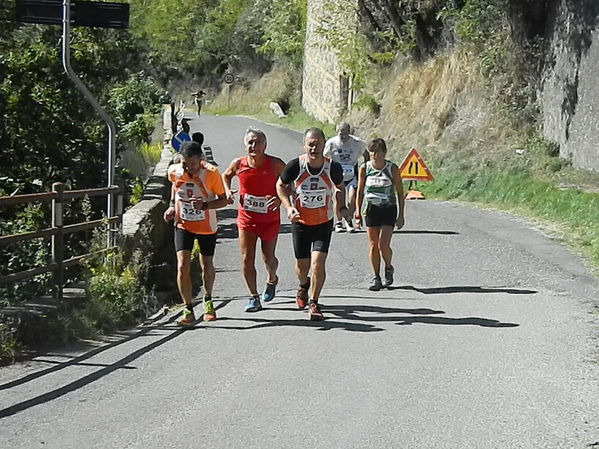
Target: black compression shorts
184,242
311,238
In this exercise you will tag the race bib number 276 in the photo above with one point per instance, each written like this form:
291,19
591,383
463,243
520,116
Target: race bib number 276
313,199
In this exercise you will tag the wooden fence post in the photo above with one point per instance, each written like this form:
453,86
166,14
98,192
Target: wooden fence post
58,238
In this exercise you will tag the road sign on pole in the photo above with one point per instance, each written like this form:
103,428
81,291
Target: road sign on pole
178,139
414,169
92,14
229,78
83,13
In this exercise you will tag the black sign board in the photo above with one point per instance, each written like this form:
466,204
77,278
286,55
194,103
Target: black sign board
87,14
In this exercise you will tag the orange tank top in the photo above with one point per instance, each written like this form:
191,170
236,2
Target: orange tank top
314,193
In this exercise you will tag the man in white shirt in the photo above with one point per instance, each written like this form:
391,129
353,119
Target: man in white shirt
346,150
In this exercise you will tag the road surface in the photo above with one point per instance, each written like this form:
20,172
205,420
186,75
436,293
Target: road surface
488,339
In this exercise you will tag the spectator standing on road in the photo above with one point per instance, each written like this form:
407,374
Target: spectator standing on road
346,150
198,100
380,200
306,189
197,189
258,215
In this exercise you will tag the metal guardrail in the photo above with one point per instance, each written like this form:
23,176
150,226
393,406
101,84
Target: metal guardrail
57,230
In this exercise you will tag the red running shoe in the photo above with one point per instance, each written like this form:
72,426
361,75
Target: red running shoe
314,312
301,298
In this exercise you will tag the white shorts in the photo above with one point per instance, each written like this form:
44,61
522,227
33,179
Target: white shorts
353,184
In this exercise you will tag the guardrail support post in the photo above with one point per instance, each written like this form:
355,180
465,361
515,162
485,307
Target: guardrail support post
58,238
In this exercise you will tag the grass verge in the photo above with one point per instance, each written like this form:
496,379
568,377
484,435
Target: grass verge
572,213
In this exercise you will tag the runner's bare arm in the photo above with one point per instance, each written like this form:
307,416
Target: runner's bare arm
278,166
169,213
228,176
360,194
400,196
287,198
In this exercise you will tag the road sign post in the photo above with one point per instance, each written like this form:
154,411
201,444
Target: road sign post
91,14
229,78
414,169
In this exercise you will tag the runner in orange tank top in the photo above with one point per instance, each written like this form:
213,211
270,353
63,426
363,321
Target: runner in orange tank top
306,188
197,189
258,215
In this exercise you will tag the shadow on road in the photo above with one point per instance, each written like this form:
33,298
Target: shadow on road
360,323
424,231
107,369
464,289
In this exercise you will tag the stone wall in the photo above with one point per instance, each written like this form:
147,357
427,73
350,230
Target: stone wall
570,92
143,225
322,86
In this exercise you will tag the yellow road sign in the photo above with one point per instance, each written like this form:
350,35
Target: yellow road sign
413,168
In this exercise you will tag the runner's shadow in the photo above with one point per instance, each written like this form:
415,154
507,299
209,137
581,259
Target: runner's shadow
424,231
325,325
464,289
351,313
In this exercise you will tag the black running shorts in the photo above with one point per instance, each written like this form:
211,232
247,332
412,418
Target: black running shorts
311,238
184,242
377,216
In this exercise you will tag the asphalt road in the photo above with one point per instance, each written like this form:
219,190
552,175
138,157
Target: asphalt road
488,339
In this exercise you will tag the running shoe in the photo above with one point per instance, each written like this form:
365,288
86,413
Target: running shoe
209,312
388,276
375,284
253,304
350,227
314,312
339,227
187,318
301,298
270,291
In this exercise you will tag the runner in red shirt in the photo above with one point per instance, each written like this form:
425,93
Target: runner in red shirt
258,215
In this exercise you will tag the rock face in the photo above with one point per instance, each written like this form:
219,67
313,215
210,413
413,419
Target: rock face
569,95
570,92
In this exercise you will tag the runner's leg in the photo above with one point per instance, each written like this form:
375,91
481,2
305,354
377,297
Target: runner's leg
247,245
270,260
184,275
374,256
302,267
207,274
351,206
385,244
318,274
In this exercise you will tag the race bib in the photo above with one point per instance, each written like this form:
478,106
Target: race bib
378,181
253,203
377,198
313,199
348,172
188,213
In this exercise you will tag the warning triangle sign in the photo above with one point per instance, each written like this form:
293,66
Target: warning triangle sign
413,168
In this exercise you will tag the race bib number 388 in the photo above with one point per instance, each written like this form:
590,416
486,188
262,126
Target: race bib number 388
313,199
253,203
